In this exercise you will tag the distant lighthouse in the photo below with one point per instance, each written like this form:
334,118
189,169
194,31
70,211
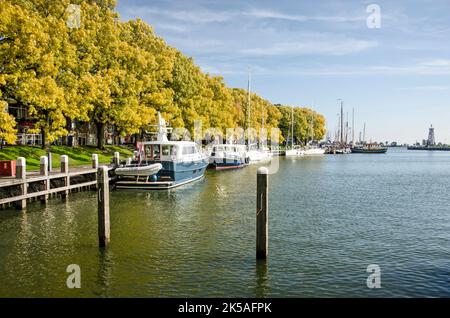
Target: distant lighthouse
431,141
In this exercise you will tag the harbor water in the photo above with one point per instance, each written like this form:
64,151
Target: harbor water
330,218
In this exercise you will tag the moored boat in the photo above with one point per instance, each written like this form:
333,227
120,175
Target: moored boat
295,151
314,151
228,156
257,155
369,148
181,162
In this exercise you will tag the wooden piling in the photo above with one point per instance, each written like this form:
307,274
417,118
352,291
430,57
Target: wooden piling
262,213
94,161
116,159
44,172
103,206
21,173
65,169
49,155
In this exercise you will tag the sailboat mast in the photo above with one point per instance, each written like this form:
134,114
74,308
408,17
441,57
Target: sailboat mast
364,133
248,100
353,127
292,127
342,122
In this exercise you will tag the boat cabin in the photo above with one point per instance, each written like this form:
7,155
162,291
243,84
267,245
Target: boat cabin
229,148
169,151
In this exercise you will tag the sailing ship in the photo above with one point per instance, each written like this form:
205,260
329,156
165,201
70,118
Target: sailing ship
165,163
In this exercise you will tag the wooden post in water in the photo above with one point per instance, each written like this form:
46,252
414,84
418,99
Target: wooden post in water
262,213
103,206
44,172
65,169
94,166
116,159
49,155
94,161
21,173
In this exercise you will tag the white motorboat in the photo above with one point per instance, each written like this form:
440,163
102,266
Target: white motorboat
257,155
294,152
314,151
177,162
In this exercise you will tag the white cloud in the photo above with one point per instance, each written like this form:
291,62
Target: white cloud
191,16
268,14
425,88
202,15
436,63
324,45
171,27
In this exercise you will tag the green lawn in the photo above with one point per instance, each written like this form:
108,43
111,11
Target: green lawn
78,156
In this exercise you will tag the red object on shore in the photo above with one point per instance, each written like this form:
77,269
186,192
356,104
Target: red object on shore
8,168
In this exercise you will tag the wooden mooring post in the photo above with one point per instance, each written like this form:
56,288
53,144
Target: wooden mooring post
94,161
49,155
262,213
65,169
103,206
116,159
44,172
21,173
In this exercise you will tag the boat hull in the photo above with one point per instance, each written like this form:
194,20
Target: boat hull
172,174
370,151
226,164
314,152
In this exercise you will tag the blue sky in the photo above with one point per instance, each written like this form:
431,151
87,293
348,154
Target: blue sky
397,77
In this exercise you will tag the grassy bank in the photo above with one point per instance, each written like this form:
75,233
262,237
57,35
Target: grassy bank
78,156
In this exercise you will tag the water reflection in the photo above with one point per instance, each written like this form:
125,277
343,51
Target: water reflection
104,272
262,279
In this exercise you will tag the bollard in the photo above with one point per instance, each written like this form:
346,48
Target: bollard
129,160
49,155
94,161
103,206
65,169
21,173
116,159
44,172
262,215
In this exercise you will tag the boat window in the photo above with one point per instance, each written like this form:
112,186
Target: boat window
156,151
168,150
152,151
189,150
186,150
148,151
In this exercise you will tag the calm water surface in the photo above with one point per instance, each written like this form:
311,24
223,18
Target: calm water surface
330,218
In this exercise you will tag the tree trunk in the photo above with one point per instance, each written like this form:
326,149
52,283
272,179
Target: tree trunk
45,144
100,135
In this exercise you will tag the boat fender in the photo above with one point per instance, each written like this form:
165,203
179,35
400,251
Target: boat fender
154,178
